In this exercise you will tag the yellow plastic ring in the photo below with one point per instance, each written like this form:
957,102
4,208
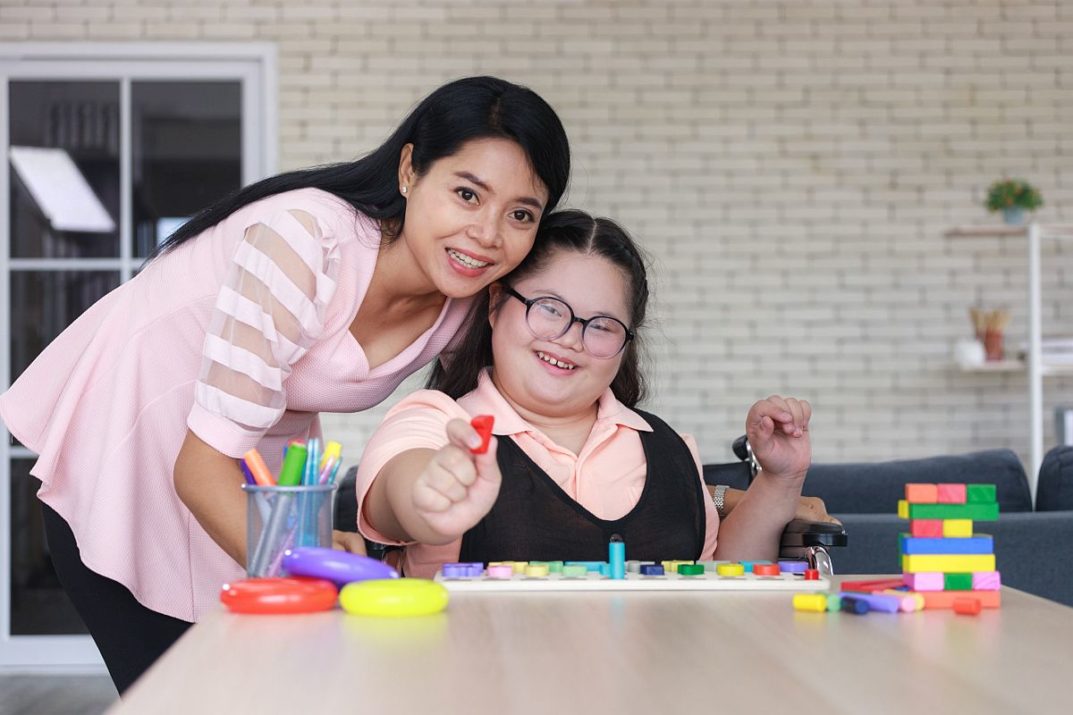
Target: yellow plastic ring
393,597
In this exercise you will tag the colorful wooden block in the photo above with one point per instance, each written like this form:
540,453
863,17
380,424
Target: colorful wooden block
730,569
957,582
872,585
945,599
980,493
967,606
977,544
986,581
915,563
921,493
951,493
903,509
926,528
957,528
976,512
910,601
815,602
924,581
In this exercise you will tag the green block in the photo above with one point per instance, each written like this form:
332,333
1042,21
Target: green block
957,582
976,512
980,493
690,569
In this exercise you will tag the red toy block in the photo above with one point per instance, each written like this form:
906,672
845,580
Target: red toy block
483,425
951,493
873,585
921,493
926,528
967,606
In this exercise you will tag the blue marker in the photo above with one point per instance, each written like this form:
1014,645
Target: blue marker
616,557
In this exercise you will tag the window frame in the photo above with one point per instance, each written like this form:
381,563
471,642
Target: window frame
255,65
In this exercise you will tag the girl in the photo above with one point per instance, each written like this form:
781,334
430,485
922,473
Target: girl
314,290
553,356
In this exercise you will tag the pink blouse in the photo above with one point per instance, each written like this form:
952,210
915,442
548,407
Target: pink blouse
606,477
242,335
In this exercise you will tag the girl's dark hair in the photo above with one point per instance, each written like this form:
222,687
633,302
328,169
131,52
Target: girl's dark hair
458,112
567,230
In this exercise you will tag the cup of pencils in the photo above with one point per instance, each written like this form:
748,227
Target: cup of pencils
292,510
990,327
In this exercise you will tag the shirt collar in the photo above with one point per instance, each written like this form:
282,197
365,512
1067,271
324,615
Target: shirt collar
486,399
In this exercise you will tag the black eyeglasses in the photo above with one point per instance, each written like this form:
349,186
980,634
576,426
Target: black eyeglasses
550,318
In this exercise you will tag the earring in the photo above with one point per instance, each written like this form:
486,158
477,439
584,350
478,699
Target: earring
403,189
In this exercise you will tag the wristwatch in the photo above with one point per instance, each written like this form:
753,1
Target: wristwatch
718,498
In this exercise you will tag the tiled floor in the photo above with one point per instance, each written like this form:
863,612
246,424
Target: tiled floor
55,694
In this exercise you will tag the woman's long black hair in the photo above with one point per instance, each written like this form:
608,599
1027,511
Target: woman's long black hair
567,230
458,112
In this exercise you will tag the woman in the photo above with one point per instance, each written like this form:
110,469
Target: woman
553,356
313,290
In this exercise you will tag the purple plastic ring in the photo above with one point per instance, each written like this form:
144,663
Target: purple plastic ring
339,567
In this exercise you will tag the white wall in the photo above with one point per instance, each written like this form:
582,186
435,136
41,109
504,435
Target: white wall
790,165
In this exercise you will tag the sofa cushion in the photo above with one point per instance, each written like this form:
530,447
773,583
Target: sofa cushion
1055,489
876,487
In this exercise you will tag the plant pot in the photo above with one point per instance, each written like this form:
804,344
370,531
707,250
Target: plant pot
1013,216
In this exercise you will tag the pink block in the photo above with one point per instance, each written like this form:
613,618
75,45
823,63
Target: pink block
986,581
925,581
928,528
952,493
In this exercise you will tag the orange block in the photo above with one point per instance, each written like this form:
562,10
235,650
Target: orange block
921,493
945,599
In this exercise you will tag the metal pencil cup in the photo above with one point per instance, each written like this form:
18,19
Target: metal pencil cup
279,518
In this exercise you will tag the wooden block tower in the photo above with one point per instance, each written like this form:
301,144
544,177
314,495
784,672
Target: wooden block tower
943,559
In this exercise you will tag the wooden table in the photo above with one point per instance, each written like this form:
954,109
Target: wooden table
621,653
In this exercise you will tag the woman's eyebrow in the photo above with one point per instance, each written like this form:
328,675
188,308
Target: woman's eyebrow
527,200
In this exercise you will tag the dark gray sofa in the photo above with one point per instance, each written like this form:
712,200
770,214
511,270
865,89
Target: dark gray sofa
1033,547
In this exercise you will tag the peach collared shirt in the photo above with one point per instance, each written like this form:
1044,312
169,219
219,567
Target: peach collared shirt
606,476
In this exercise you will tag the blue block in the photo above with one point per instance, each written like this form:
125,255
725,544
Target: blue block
976,544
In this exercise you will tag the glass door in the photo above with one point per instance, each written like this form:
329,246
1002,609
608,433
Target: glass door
106,157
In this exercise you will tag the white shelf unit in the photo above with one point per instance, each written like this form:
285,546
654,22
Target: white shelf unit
1035,234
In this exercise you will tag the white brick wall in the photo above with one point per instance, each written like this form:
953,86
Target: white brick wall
790,166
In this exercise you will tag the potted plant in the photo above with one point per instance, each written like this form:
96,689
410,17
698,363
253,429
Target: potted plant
1013,197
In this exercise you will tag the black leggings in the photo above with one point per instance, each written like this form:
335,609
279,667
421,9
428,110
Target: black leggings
129,636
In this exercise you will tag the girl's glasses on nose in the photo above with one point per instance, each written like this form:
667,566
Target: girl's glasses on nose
550,318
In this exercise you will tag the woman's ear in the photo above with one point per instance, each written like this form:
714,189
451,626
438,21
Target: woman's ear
406,168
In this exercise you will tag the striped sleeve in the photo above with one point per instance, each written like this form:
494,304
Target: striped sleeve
268,313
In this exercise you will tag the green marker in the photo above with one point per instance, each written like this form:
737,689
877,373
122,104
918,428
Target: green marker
290,474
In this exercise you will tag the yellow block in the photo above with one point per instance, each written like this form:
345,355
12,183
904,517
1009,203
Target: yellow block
903,509
816,602
919,563
957,527
672,566
731,569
